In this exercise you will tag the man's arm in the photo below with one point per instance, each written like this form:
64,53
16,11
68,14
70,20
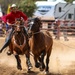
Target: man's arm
25,18
9,24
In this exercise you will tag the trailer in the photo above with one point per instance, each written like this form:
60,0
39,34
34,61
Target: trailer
55,9
45,10
64,11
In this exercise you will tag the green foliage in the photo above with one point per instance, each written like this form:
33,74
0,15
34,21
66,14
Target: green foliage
4,4
69,1
28,7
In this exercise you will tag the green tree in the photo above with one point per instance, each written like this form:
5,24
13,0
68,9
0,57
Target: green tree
28,7
69,1
39,0
4,4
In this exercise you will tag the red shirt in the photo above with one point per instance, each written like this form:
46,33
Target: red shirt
13,15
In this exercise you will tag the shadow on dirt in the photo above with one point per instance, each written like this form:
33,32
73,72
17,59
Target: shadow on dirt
37,73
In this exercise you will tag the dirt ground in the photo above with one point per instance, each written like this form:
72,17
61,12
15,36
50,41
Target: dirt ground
62,60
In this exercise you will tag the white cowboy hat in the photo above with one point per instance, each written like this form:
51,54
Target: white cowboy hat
13,5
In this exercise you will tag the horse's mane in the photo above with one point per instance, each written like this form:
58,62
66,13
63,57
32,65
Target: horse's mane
38,20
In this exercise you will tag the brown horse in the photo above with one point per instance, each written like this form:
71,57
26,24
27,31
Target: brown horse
40,44
19,44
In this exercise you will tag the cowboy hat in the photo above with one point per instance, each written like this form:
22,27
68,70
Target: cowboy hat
13,5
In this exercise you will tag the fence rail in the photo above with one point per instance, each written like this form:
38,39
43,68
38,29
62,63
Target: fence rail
60,27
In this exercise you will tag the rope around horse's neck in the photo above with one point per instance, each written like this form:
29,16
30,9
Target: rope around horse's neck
39,32
36,32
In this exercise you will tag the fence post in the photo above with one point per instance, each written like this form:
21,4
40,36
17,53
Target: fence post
44,25
58,29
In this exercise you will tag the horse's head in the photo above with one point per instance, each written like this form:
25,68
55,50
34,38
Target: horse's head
18,26
34,25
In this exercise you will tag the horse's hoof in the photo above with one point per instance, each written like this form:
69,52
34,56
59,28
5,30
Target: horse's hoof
46,72
41,69
19,68
37,65
0,51
9,53
30,67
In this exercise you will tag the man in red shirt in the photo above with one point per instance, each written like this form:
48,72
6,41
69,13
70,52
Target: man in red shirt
10,19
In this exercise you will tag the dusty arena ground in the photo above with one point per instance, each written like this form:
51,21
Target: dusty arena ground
62,60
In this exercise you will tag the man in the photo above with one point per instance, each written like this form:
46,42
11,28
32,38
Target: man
10,19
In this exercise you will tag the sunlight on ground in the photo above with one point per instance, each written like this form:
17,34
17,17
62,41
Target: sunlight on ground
62,58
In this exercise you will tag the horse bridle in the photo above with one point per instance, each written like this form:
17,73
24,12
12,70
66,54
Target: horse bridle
20,46
30,26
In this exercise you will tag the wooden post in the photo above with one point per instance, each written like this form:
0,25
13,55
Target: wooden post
58,29
45,25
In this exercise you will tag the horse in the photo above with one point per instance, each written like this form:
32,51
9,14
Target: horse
40,44
18,44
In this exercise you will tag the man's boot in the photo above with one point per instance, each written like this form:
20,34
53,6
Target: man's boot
7,41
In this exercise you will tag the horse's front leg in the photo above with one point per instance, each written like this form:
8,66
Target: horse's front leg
41,59
37,64
29,65
47,61
18,61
